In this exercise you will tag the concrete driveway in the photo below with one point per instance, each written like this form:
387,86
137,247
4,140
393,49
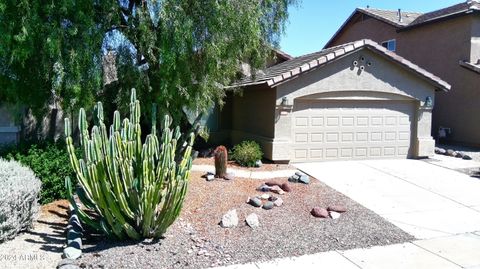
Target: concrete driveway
423,199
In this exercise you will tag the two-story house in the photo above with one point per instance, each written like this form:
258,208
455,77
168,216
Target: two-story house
446,42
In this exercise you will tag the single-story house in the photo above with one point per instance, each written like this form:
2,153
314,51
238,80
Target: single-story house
353,101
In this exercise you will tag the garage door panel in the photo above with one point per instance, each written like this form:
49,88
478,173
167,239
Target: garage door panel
347,130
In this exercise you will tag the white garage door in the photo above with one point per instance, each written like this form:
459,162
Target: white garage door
336,130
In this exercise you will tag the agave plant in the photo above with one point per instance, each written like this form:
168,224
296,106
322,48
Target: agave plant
128,189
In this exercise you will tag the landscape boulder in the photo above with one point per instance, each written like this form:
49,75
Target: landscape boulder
285,187
254,201
440,151
268,205
334,215
264,188
276,189
337,208
319,212
272,183
252,220
230,219
278,202
466,157
451,153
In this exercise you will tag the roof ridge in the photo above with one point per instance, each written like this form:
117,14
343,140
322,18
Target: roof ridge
390,10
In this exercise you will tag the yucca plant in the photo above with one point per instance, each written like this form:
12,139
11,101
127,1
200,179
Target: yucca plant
128,189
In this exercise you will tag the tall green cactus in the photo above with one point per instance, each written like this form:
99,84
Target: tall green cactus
130,190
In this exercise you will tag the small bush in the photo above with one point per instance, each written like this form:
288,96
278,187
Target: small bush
50,163
247,153
19,189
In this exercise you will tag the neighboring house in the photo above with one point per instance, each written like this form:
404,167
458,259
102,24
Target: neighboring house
446,42
354,101
9,131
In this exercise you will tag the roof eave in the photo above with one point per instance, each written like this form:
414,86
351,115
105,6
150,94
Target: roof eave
358,10
440,19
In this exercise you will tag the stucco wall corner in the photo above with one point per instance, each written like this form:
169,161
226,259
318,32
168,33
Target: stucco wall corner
425,147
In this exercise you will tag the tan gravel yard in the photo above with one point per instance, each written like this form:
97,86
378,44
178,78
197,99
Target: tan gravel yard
41,247
197,241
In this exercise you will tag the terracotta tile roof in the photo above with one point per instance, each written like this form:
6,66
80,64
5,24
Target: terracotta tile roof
291,69
391,16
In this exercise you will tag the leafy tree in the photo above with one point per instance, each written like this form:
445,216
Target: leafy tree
179,53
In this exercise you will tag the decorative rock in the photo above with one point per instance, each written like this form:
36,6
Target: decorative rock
319,212
229,176
252,220
264,188
460,155
255,202
334,215
337,208
268,205
440,151
294,178
451,153
210,177
230,219
276,189
304,179
265,196
466,157
272,199
73,236
285,187
272,183
72,253
278,202
258,163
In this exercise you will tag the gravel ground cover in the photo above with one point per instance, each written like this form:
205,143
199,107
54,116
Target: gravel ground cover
42,246
197,241
470,151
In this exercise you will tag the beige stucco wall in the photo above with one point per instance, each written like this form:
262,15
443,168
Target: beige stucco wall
438,48
252,114
383,80
365,28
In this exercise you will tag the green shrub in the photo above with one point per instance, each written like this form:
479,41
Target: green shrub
50,163
19,188
247,153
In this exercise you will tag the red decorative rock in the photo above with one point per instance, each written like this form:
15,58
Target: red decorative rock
337,208
319,212
276,189
285,187
273,183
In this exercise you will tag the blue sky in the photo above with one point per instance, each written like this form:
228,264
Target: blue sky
314,22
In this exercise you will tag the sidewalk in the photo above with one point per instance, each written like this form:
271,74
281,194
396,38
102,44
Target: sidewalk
458,251
246,173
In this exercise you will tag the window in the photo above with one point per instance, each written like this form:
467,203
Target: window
390,45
